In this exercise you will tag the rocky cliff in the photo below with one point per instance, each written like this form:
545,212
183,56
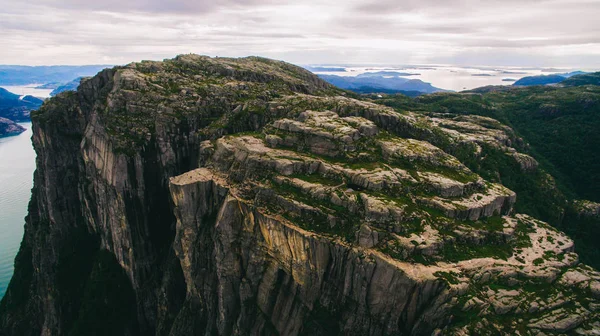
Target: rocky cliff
246,196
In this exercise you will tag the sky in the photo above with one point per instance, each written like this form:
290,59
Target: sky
541,33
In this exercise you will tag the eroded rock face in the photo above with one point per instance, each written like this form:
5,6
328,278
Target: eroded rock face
245,196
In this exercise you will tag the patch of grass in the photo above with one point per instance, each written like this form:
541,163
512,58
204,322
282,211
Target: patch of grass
463,251
332,180
522,232
449,277
493,223
345,226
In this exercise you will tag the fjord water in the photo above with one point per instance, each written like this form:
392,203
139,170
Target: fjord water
17,163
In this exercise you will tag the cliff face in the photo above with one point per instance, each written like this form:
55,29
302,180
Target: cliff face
246,196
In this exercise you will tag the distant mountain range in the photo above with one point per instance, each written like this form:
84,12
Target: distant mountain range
382,82
23,75
324,69
387,74
70,86
546,79
14,108
52,85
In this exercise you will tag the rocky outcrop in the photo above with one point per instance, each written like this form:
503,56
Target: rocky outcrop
245,196
587,208
526,162
269,272
8,128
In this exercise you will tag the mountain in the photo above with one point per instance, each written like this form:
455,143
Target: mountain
376,83
572,73
386,73
52,85
15,107
546,79
70,86
324,69
220,196
583,79
23,75
539,80
9,127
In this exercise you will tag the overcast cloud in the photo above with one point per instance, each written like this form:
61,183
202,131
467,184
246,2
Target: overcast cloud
464,32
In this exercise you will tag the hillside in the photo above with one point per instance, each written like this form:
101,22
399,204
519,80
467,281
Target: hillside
222,196
574,78
560,126
585,79
539,80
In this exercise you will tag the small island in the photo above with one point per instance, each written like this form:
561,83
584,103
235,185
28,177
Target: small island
9,127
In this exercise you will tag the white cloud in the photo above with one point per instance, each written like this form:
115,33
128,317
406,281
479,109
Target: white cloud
531,33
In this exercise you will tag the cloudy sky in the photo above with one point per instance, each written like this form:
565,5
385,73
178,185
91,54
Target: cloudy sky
394,32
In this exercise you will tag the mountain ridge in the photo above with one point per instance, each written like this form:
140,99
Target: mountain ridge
377,83
24,75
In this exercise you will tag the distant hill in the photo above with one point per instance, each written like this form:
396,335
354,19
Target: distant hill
378,83
52,85
489,88
370,90
585,79
547,79
23,75
15,108
387,74
324,69
573,73
70,86
539,80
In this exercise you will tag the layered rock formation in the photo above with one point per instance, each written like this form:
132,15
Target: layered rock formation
246,196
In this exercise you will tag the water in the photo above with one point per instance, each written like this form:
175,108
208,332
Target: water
455,78
17,163
28,90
